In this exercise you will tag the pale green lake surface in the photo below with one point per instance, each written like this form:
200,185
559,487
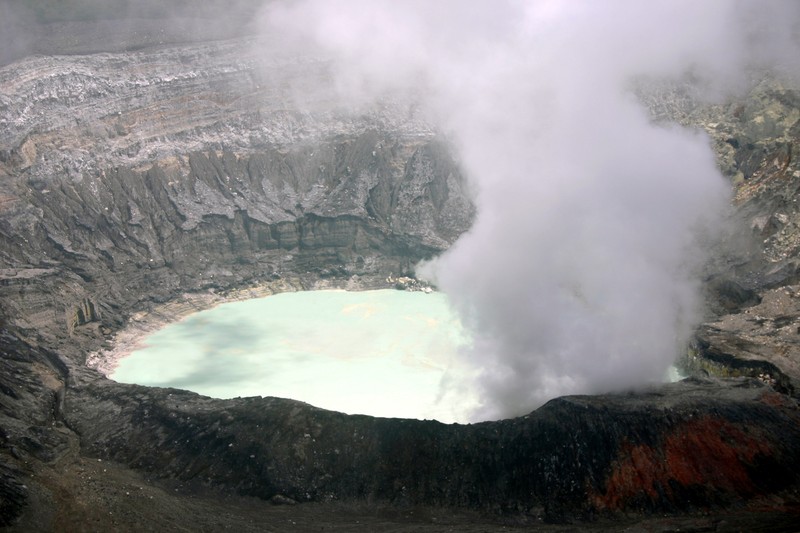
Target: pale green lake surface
381,353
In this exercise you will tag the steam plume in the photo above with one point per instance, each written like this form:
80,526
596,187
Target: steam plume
578,274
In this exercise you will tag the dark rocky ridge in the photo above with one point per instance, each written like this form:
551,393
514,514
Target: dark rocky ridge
690,443
129,179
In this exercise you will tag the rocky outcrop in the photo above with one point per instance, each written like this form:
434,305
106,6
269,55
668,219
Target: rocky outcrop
130,179
756,330
753,319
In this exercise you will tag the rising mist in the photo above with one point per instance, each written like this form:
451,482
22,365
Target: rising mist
580,274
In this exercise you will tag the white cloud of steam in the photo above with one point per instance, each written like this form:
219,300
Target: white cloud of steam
577,276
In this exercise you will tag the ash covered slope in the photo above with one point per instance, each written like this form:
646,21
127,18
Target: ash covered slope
127,179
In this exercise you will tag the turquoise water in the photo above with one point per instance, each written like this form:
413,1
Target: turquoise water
381,353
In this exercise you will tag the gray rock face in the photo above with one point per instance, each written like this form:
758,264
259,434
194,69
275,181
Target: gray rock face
758,334
128,179
137,175
753,321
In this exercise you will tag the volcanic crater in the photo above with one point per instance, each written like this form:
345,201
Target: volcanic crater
138,185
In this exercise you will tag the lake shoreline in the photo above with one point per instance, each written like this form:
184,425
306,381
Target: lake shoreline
146,322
